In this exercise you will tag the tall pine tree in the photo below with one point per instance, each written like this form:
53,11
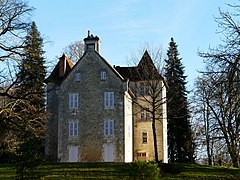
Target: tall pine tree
31,107
180,143
32,69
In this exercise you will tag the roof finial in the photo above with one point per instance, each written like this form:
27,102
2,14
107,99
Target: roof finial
88,33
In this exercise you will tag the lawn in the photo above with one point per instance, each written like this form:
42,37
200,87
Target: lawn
121,171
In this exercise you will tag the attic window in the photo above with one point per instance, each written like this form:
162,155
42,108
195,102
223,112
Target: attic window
77,77
103,75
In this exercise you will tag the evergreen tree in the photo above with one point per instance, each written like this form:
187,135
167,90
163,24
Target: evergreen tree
32,70
31,107
180,143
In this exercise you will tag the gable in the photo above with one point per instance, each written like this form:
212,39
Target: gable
92,62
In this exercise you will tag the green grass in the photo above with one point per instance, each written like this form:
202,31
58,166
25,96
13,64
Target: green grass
120,171
187,171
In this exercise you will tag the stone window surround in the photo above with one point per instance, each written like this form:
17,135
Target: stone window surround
73,100
145,115
144,137
103,75
73,128
109,127
77,77
109,100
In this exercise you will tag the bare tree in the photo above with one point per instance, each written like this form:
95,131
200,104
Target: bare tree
13,24
207,128
74,50
223,73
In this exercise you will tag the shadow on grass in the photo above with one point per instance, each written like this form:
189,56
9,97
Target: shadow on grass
181,171
169,168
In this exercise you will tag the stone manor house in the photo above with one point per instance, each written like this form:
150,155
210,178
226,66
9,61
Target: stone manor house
92,115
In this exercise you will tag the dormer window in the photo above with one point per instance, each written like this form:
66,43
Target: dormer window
77,77
103,75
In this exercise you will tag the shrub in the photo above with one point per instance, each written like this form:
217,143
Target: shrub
144,170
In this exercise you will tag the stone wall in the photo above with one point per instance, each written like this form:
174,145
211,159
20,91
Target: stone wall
51,139
145,150
91,112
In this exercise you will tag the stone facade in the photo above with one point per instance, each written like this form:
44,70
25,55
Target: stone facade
91,114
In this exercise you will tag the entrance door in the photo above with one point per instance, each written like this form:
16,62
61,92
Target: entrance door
108,152
73,154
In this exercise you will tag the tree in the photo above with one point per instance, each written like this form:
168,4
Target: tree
32,68
14,24
223,70
31,77
207,131
210,136
180,146
74,50
13,27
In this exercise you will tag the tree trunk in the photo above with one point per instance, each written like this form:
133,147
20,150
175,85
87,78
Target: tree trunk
154,137
208,151
234,155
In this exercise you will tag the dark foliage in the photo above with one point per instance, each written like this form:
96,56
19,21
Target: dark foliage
180,144
32,109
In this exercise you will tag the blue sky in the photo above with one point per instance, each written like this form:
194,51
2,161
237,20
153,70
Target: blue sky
125,25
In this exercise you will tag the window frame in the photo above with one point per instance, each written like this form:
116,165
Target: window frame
103,75
73,128
145,115
73,100
108,127
144,89
144,137
142,154
109,100
77,77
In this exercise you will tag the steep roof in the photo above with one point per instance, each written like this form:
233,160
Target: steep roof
61,70
144,70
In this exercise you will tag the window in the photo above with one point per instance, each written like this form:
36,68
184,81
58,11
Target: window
77,77
103,75
73,128
148,116
144,137
142,114
144,89
145,115
141,154
73,101
109,100
108,127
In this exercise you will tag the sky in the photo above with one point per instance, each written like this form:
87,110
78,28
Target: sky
125,26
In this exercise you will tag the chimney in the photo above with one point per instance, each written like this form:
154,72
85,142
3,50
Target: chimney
62,66
91,43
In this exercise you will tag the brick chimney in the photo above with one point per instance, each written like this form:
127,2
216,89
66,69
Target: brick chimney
91,43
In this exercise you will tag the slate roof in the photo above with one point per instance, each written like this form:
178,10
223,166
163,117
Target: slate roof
143,71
